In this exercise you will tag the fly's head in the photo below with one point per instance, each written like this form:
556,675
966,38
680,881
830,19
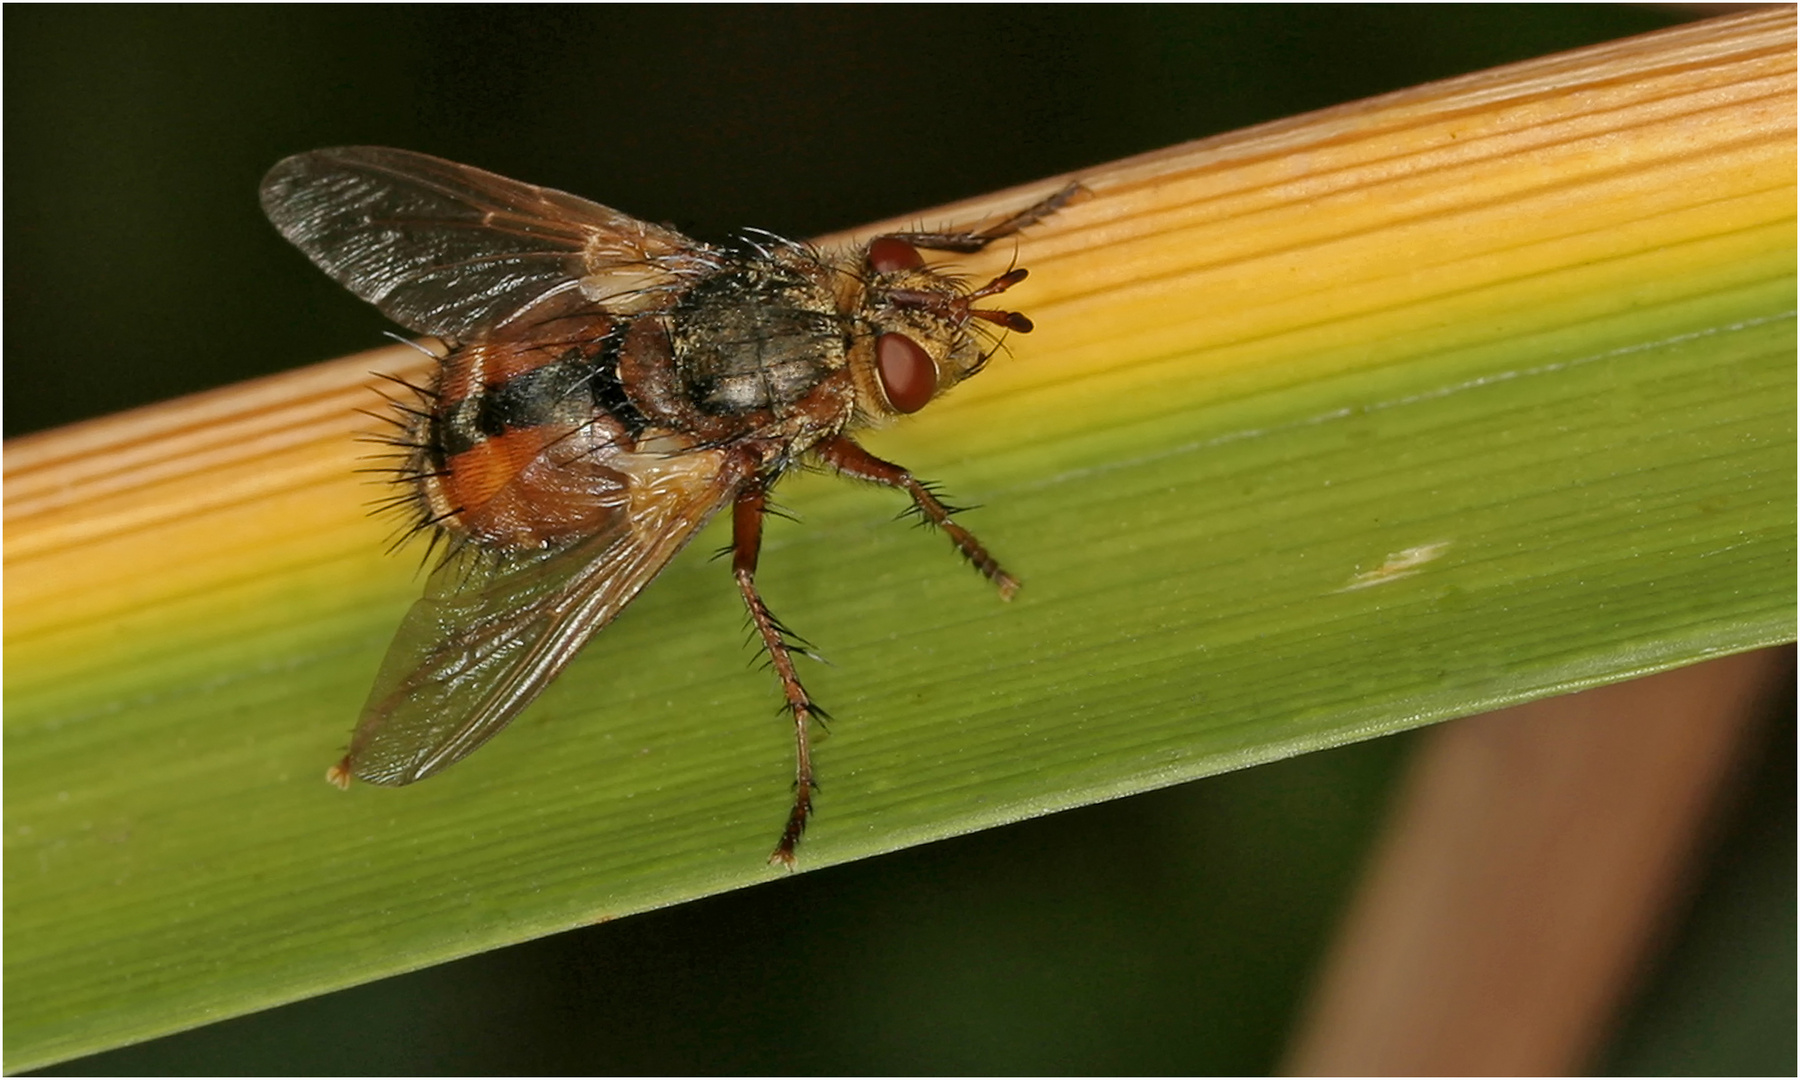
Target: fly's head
927,331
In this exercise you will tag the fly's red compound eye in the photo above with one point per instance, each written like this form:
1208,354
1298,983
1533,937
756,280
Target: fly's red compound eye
888,254
907,373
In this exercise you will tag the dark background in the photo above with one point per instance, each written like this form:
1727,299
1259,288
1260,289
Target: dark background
1171,932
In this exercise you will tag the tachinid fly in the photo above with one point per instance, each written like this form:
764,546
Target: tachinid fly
608,386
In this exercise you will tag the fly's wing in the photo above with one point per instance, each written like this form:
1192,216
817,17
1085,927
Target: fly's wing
493,628
456,252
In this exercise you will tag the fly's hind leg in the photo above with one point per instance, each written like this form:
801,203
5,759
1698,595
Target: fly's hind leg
746,542
843,454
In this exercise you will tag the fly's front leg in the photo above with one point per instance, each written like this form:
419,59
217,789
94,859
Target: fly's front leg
746,542
969,241
843,454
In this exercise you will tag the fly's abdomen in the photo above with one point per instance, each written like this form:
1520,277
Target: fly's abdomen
512,452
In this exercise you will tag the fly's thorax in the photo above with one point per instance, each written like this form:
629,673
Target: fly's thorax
760,334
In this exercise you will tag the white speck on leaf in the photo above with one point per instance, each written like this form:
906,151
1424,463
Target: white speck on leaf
1399,564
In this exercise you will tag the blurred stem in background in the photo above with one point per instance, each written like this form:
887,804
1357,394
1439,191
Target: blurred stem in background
1533,858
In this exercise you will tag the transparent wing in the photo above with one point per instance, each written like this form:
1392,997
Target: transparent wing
493,628
454,251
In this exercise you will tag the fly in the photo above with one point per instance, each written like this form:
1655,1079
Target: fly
609,385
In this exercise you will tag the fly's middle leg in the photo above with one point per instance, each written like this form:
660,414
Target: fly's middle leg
746,538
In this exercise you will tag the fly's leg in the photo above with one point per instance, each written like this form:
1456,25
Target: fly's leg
971,240
746,542
844,455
